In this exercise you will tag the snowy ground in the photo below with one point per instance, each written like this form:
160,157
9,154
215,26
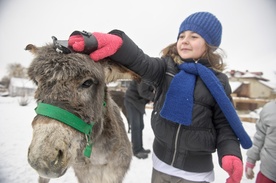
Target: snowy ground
16,134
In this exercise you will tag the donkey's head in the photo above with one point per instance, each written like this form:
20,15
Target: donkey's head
70,84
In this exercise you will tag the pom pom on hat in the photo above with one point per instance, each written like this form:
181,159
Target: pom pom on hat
206,25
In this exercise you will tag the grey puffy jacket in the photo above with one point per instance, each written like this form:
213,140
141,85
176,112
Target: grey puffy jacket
264,143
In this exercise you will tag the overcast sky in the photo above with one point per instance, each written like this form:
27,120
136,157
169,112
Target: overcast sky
249,26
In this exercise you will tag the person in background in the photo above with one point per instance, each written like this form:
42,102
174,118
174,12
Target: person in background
136,97
193,115
264,146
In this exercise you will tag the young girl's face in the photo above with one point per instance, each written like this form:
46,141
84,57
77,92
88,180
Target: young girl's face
191,45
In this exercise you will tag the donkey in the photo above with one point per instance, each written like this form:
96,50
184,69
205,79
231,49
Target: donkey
119,97
77,124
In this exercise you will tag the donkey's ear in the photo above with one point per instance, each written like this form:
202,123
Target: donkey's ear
114,71
32,48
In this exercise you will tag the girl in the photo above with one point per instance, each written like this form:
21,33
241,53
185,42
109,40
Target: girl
193,115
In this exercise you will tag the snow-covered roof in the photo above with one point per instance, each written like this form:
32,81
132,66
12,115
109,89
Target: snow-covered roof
269,84
235,85
246,74
112,84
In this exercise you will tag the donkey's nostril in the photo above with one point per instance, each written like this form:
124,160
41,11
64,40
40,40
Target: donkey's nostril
60,154
58,158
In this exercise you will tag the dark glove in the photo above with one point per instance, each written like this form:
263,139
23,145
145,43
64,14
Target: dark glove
97,45
233,166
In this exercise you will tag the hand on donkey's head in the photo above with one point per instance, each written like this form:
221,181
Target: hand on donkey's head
97,45
76,42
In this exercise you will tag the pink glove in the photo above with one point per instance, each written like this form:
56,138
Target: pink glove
108,44
249,170
233,166
76,42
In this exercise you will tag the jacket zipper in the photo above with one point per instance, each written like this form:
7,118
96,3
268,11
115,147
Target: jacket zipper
175,144
177,132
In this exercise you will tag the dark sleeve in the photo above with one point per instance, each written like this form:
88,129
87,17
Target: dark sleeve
146,91
227,141
151,69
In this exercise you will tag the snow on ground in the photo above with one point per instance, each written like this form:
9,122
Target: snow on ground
16,134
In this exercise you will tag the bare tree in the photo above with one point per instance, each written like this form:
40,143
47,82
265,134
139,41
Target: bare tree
17,70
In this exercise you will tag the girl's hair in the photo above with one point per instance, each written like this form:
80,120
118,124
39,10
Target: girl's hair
212,55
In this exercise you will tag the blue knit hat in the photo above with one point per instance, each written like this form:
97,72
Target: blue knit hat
206,25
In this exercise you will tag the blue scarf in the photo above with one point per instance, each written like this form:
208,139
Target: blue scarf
178,106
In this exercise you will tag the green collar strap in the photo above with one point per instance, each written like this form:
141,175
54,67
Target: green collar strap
68,119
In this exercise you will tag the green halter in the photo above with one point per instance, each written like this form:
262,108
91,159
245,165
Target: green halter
68,119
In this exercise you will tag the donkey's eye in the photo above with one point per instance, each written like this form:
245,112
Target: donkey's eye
87,83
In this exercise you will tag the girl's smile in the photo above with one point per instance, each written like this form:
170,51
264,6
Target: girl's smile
191,45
